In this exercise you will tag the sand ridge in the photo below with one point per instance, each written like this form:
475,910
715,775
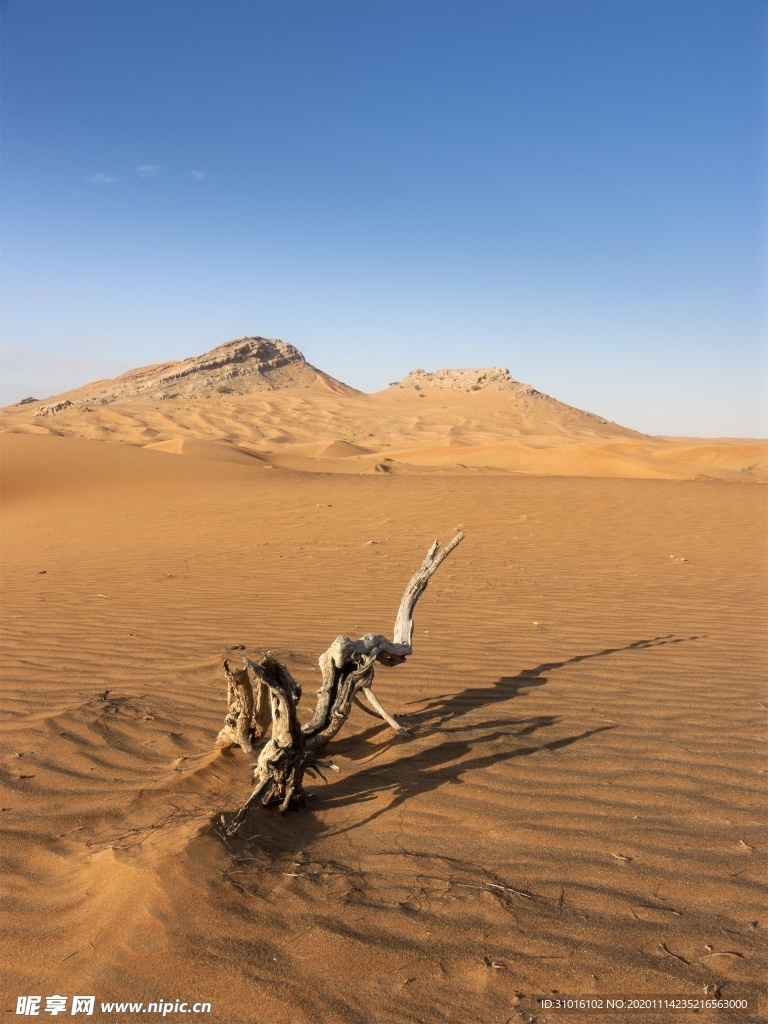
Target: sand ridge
442,431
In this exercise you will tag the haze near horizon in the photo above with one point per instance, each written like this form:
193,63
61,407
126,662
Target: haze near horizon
573,191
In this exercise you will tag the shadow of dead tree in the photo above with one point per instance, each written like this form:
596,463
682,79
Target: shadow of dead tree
320,856
441,709
446,763
464,750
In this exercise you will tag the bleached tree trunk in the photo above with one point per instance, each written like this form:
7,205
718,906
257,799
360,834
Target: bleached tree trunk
347,669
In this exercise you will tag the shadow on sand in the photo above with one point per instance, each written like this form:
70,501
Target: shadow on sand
427,769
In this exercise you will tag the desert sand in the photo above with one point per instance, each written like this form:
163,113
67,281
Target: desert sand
580,808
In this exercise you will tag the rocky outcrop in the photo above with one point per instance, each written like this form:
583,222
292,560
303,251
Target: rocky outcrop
244,357
237,367
54,408
493,379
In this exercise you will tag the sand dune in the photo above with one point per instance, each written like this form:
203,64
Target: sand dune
578,810
447,431
559,457
215,450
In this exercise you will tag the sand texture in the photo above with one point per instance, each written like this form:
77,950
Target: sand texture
580,807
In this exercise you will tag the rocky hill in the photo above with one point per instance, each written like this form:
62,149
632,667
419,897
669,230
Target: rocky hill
237,367
529,407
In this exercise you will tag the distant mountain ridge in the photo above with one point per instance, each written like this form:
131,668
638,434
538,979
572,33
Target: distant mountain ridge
257,403
249,368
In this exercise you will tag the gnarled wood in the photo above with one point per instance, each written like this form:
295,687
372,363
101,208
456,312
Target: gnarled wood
347,668
249,714
280,769
238,728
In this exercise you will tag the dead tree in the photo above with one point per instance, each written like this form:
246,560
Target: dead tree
347,669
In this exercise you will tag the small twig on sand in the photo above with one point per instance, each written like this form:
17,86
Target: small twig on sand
674,956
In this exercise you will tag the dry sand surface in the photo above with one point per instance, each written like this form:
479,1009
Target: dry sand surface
579,809
401,431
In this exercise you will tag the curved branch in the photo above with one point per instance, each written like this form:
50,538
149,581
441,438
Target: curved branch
381,712
403,632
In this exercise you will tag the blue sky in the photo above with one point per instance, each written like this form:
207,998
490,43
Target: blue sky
573,190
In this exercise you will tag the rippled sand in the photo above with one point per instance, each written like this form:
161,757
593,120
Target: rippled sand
579,808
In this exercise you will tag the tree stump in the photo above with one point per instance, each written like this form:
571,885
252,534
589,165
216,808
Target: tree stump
347,669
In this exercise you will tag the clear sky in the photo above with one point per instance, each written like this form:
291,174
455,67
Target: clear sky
573,190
